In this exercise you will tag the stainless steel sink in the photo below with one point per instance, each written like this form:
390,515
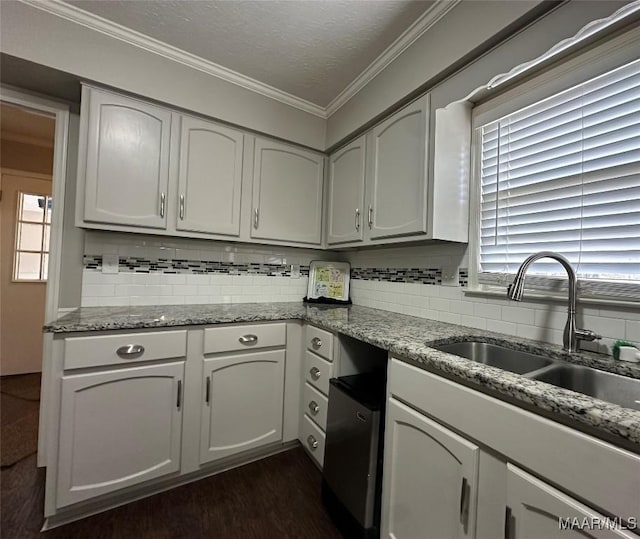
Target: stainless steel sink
496,356
599,384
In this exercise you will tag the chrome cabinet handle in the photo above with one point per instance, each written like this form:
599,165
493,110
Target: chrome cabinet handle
315,373
179,398
182,207
464,503
313,407
130,351
207,393
370,215
313,443
248,339
163,200
316,342
256,217
357,219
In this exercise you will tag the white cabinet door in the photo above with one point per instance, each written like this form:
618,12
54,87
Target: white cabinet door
537,510
210,178
243,400
118,428
397,187
346,193
429,481
127,161
287,193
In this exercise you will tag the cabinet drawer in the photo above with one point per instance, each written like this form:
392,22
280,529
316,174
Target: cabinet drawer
320,341
313,440
317,371
100,350
244,337
314,404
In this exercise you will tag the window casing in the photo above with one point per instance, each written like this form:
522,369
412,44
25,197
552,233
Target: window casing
33,230
562,173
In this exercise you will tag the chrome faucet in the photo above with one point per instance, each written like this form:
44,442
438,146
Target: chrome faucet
572,335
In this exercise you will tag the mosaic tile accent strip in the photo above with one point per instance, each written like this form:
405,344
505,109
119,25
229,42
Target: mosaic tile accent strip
399,275
463,277
142,265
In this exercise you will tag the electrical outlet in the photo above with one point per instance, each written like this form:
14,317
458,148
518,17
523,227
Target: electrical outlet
110,263
450,276
295,271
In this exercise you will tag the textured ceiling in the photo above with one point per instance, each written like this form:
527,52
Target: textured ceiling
309,48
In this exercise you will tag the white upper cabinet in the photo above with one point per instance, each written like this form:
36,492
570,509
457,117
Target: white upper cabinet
287,193
346,193
398,184
127,160
210,178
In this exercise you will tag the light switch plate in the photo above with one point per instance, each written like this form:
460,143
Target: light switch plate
110,263
295,271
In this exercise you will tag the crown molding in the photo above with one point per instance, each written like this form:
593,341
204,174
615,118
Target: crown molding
43,142
406,39
117,31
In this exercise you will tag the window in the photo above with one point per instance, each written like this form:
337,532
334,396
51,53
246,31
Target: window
563,174
31,258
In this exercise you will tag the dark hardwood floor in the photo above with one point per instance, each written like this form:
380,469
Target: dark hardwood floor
277,497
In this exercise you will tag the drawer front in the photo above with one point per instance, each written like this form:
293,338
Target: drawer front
315,405
243,337
320,341
317,371
125,348
313,440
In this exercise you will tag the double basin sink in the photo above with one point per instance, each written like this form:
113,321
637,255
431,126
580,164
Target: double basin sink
602,385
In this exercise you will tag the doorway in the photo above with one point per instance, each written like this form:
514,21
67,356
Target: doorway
33,156
26,160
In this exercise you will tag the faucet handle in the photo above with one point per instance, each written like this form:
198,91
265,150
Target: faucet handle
587,335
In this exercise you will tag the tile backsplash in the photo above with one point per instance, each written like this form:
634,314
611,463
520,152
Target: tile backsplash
538,320
162,271
427,281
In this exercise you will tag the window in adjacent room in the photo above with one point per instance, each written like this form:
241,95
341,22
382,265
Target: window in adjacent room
33,229
563,174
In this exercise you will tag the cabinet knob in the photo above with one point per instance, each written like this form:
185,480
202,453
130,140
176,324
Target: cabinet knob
370,216
256,218
248,339
313,443
313,407
357,219
130,351
316,342
315,373
182,207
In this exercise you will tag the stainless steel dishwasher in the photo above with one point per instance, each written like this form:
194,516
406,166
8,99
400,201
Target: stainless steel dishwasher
352,473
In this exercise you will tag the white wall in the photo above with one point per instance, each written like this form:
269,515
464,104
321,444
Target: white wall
35,35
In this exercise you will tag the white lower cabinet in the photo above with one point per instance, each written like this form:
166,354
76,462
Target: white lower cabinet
443,485
430,478
243,403
118,428
535,510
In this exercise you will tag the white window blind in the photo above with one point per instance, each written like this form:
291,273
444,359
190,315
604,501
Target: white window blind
564,175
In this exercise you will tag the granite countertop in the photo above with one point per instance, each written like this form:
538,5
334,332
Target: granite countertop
409,338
